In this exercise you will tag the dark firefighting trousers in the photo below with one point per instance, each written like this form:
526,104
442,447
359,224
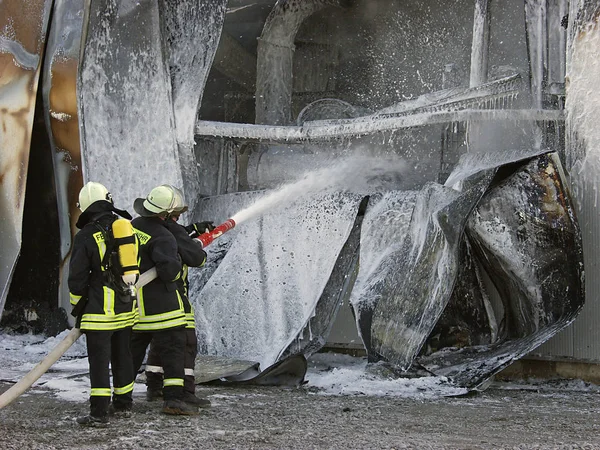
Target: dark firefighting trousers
154,367
169,344
104,348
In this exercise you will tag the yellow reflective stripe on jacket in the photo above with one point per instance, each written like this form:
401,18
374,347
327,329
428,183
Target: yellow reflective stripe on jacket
104,318
173,382
190,320
101,322
101,392
109,301
74,298
110,326
140,300
124,389
155,322
180,322
164,316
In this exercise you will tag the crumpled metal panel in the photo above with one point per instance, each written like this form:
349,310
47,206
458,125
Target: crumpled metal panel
527,238
62,121
337,290
414,295
469,319
23,25
191,31
265,290
383,229
125,104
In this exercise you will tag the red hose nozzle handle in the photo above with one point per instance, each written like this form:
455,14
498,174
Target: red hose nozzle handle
207,238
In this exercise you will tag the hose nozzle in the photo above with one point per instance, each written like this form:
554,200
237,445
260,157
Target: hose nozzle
207,238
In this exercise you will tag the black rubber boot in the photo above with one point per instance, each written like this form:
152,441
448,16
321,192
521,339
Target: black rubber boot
179,408
91,421
191,399
153,395
120,413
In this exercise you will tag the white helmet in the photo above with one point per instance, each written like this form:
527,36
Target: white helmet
162,199
91,193
180,206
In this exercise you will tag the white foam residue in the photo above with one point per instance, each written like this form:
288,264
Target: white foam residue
582,105
265,289
477,161
128,132
351,377
383,230
70,389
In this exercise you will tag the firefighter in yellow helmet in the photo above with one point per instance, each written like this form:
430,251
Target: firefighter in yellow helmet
192,255
104,309
162,316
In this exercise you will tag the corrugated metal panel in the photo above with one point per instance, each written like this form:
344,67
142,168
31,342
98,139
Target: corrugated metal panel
582,339
586,328
560,345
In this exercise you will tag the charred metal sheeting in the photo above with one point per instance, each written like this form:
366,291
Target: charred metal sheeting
23,24
337,290
272,277
414,296
275,58
469,318
384,227
526,237
286,372
210,368
60,113
191,30
289,372
125,106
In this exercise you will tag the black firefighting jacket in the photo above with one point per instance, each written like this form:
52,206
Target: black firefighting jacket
160,302
96,305
192,255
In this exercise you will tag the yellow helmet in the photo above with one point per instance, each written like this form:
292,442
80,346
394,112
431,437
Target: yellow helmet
91,193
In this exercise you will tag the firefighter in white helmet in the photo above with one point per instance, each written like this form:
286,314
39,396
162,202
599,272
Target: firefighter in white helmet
104,310
162,317
192,255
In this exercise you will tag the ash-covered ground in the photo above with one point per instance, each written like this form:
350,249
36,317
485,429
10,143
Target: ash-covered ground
345,404
529,416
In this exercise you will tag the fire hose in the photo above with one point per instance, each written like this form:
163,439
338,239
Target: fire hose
42,367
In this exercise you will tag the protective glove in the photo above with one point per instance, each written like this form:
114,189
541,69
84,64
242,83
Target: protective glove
198,228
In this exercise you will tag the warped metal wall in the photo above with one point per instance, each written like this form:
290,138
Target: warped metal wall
22,39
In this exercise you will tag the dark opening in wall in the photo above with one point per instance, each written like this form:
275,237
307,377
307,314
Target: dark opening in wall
32,302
